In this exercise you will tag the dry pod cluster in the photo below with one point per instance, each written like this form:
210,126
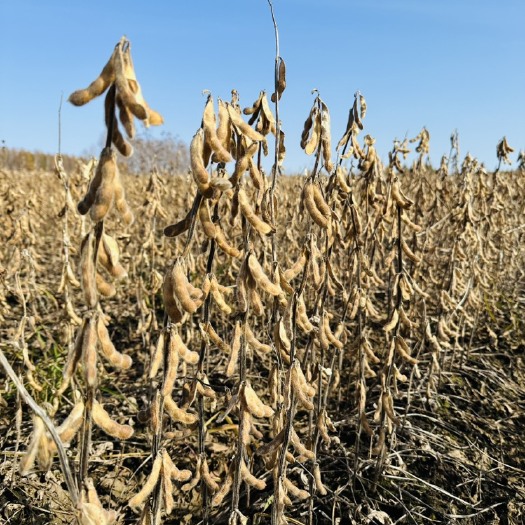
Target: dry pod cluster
106,190
316,133
119,73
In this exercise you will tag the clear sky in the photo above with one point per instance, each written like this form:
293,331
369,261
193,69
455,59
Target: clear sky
443,64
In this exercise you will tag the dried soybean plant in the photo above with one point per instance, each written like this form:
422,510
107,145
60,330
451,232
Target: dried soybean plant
371,216
259,293
502,151
454,155
288,387
98,252
398,328
182,299
361,217
521,161
422,148
342,229
295,389
231,139
370,212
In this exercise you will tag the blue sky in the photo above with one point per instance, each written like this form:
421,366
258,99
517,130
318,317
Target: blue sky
443,64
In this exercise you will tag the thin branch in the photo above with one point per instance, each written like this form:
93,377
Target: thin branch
40,412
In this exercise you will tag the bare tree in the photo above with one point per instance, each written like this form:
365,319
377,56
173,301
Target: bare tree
168,154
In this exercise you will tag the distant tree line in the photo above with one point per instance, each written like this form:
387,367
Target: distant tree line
24,160
168,154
